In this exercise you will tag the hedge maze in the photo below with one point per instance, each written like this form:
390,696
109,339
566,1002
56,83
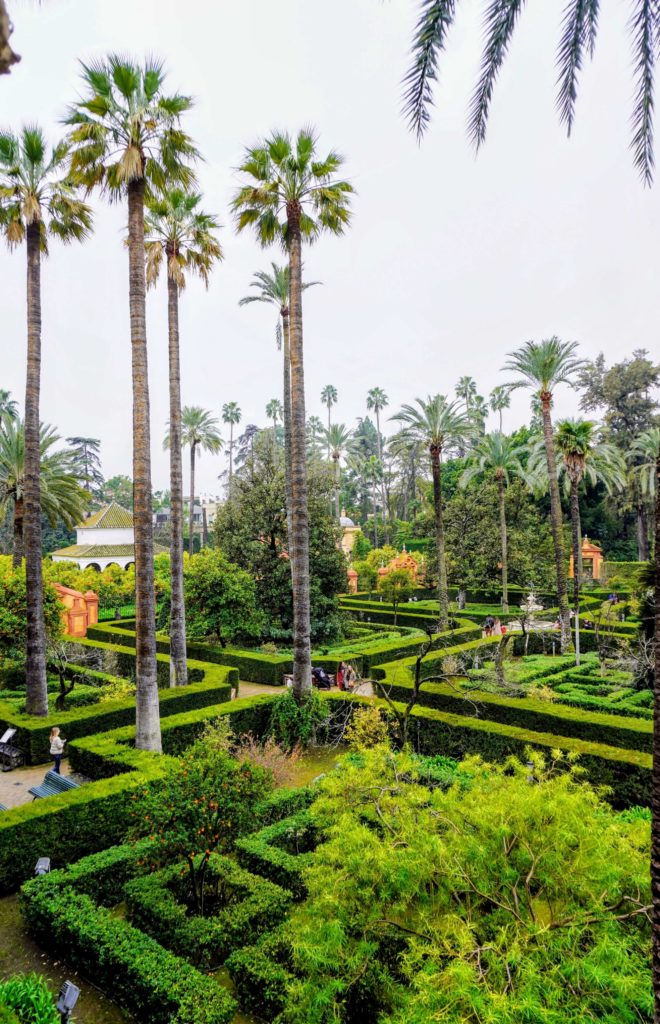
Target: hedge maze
154,956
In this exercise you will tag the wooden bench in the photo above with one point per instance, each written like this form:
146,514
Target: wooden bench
53,785
3,808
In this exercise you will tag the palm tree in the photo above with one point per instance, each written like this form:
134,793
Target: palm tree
645,449
583,457
466,389
542,366
175,228
500,399
496,457
440,426
291,196
231,414
199,432
37,201
61,496
8,408
377,400
338,439
315,430
329,398
275,412
273,288
479,414
127,140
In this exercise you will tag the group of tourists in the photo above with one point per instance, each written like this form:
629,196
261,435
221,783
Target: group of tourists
346,677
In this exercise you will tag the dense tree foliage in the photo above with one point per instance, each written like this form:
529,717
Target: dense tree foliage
221,599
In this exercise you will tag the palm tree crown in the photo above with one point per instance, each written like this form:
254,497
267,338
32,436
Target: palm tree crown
273,288
583,456
288,178
377,400
500,399
176,228
231,412
8,408
329,396
542,365
35,188
127,129
495,455
439,424
274,410
199,429
645,448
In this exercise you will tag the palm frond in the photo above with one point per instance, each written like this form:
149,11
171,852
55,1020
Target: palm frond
645,27
579,27
500,22
435,19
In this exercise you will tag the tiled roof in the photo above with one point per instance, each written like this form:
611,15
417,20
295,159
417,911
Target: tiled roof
110,517
103,551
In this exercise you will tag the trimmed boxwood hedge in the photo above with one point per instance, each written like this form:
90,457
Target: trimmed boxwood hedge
541,716
32,736
151,982
154,904
98,814
261,974
627,773
262,852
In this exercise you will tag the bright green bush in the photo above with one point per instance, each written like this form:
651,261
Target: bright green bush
27,999
280,851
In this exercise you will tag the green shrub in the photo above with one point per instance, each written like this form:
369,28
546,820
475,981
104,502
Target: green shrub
27,999
280,851
293,723
261,975
156,904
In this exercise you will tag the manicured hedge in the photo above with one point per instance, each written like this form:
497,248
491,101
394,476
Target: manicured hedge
540,716
261,975
98,814
626,772
155,904
32,735
148,980
263,852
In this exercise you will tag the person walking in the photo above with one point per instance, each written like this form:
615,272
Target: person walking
56,748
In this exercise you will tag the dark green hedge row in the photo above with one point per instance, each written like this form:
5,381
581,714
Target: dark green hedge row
264,852
401,670
98,814
627,773
542,642
154,904
539,716
261,975
32,737
148,980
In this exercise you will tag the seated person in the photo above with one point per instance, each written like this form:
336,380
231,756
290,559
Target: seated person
320,679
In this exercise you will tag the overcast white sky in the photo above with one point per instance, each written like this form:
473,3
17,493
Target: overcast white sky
452,259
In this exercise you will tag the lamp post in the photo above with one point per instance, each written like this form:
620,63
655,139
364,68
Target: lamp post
66,1000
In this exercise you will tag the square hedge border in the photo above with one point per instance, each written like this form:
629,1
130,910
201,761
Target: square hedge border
262,854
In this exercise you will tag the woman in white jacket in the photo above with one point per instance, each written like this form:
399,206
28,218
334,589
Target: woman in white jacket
56,747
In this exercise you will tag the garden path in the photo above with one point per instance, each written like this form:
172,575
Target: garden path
14,785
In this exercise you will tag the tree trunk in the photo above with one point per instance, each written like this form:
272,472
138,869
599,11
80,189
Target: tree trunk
205,528
337,488
231,452
286,419
575,534
302,654
555,515
503,540
147,712
191,506
655,777
386,531
373,505
443,596
642,535
17,547
35,668
178,662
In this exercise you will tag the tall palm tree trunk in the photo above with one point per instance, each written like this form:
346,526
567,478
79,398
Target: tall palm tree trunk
555,516
337,489
286,420
642,534
17,543
655,777
231,451
443,597
191,507
386,532
147,712
35,668
575,537
373,505
302,654
178,662
504,542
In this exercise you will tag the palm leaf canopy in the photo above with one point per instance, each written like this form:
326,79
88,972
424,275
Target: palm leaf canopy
582,457
337,438
645,448
177,229
496,456
199,429
35,187
284,176
437,423
542,365
125,128
231,412
576,44
376,399
62,497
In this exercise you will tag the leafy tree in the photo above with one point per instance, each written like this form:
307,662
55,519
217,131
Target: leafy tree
542,366
496,457
128,141
220,599
396,587
251,530
338,439
377,400
60,494
231,414
513,894
87,460
644,452
440,426
38,201
274,412
291,197
205,801
177,230
118,488
367,574
13,616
